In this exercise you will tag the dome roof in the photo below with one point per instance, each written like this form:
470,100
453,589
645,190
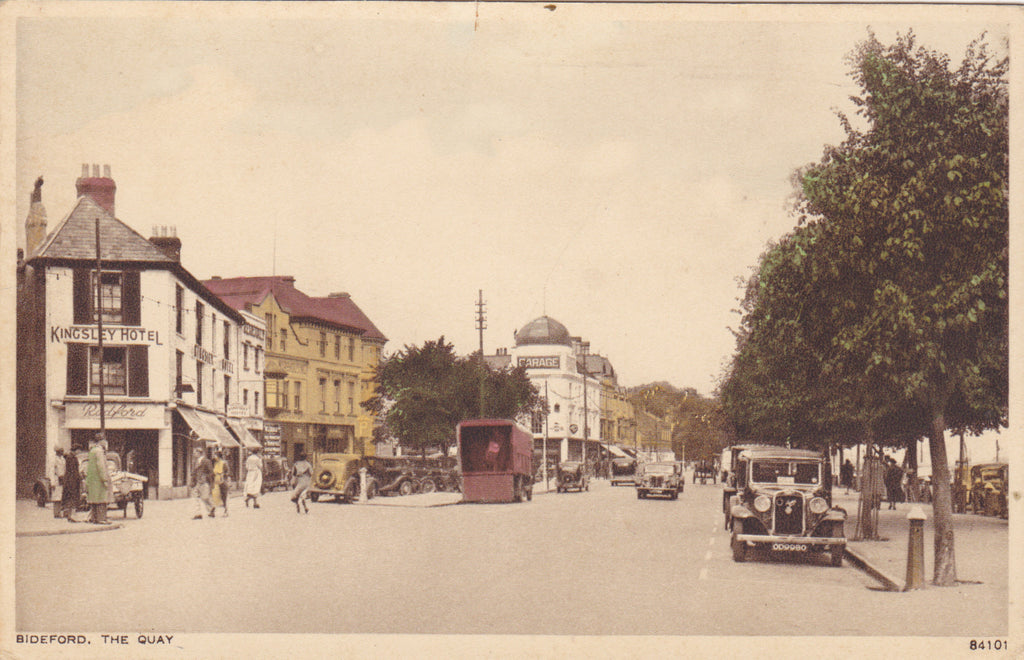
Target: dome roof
544,330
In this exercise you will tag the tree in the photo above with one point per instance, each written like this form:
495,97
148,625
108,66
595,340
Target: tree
422,393
916,206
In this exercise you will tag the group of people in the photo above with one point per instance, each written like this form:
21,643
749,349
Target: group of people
98,484
211,482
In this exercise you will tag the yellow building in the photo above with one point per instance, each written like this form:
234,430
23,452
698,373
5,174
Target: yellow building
320,363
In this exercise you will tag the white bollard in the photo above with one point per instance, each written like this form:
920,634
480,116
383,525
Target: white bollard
362,485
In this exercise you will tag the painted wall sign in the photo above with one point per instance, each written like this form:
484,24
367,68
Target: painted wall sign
90,333
540,362
116,415
253,331
200,353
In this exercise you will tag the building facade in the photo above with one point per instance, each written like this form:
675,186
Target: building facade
321,357
130,343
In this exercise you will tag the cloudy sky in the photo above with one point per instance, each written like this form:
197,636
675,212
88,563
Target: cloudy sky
618,167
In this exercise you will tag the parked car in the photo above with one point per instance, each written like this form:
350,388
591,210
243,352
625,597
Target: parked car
276,473
657,479
572,475
989,487
623,471
783,502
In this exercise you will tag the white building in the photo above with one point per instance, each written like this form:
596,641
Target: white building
556,363
167,356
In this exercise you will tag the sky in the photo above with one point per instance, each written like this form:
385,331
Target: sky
617,167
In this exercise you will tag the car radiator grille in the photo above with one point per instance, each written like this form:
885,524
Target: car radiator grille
789,514
656,482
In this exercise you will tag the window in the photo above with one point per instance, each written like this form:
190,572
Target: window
122,371
284,339
537,425
284,394
179,358
119,298
227,393
323,394
213,332
199,323
270,331
351,349
227,340
179,303
245,356
323,344
298,396
337,396
337,347
256,363
351,398
199,382
256,404
245,399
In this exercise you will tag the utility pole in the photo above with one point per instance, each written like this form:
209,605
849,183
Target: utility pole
481,325
98,306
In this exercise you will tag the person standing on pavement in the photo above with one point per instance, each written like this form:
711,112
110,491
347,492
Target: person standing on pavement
892,481
97,481
202,481
220,481
253,479
846,475
72,492
302,475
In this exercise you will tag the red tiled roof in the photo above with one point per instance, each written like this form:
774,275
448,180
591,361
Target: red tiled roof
341,311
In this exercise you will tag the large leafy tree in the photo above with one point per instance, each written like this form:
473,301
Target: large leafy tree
915,206
422,392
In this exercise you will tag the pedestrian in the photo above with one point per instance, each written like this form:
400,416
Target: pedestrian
892,481
253,479
71,495
97,481
846,475
57,479
220,481
302,474
202,481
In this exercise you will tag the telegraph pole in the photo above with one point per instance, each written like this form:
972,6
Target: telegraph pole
481,325
98,306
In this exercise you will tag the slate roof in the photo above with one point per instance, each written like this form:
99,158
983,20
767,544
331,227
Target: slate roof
75,238
341,312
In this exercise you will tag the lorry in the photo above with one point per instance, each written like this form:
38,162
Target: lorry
496,460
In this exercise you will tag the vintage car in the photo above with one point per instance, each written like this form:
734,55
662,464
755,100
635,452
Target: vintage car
989,486
337,476
783,502
276,473
572,475
623,471
657,479
126,487
705,470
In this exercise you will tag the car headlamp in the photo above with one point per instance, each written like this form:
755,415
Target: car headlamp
762,503
818,506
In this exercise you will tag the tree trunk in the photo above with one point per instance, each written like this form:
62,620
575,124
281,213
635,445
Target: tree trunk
942,506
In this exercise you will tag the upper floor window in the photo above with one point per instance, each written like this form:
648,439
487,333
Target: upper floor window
227,393
284,339
271,329
351,398
337,396
245,356
199,382
337,347
199,322
227,340
323,344
179,303
323,395
351,349
118,370
256,360
113,297
298,396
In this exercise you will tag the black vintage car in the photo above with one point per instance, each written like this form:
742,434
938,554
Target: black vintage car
276,473
783,502
623,471
572,475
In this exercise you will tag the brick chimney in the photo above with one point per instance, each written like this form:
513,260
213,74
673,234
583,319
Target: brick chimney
35,223
166,238
100,188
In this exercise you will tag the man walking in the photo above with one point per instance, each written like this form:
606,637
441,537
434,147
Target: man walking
202,482
97,481
71,494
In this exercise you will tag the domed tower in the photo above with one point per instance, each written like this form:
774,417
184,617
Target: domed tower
545,331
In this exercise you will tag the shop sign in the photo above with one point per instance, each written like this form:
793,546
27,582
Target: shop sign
90,333
540,362
116,415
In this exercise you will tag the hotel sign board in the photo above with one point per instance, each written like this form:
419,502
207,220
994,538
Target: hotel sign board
540,362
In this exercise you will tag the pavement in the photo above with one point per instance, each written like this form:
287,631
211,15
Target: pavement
980,545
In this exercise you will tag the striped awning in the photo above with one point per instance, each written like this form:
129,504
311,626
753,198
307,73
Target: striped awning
207,427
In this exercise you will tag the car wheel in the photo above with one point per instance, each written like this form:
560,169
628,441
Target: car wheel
639,495
739,550
405,488
427,486
41,495
837,555
674,495
314,496
138,506
529,493
352,489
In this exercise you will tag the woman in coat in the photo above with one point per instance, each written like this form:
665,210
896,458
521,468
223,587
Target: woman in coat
253,479
97,481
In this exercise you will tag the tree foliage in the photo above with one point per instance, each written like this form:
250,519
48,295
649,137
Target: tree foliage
884,313
422,393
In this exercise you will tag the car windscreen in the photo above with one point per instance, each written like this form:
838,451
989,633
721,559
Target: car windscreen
785,472
659,469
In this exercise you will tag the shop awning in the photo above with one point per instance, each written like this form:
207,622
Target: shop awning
243,435
207,427
616,452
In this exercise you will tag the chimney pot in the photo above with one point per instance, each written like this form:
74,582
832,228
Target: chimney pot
106,171
96,170
85,170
